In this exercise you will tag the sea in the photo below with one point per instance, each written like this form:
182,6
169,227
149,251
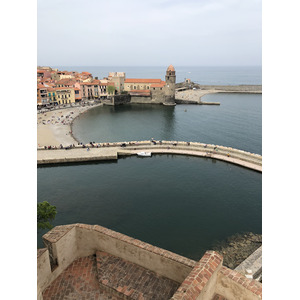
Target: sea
226,75
183,204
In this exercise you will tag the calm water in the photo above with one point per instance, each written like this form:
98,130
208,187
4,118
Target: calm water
183,204
201,75
235,123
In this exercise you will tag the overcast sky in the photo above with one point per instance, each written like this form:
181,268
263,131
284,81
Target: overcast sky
149,32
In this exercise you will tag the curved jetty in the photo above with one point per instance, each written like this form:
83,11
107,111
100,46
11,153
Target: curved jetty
111,151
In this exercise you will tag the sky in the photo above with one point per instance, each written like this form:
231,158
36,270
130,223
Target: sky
149,32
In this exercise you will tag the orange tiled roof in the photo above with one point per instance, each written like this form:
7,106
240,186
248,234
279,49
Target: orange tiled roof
140,92
87,83
162,84
66,80
142,80
86,73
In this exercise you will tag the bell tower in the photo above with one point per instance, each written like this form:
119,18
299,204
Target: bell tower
170,86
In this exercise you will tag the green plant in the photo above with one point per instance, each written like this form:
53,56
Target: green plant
110,89
45,213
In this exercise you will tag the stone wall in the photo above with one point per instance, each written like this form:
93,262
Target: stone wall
233,285
158,95
120,99
69,242
141,99
199,281
233,88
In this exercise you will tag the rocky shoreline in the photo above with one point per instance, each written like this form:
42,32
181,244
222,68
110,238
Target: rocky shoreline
238,247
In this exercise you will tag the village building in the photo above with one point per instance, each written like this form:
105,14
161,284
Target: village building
43,74
65,95
118,78
42,95
62,75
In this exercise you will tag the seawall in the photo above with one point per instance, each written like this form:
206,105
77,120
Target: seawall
111,151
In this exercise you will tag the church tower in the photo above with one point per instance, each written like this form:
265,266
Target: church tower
170,86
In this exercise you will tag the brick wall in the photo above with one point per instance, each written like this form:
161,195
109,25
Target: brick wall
201,282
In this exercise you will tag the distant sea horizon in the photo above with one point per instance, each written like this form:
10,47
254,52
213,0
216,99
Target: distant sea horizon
213,75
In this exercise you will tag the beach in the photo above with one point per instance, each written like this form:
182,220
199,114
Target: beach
54,127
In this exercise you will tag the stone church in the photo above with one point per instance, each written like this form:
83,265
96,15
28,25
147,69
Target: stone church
152,90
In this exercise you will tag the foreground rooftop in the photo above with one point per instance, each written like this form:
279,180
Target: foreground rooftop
92,262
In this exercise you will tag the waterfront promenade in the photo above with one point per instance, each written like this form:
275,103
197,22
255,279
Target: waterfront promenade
111,151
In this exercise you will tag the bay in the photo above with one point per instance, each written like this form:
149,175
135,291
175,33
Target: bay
182,204
235,123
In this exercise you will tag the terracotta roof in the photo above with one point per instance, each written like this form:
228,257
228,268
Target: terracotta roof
86,73
111,83
64,88
40,86
66,80
162,84
139,80
51,89
170,68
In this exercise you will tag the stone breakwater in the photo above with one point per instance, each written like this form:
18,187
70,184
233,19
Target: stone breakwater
111,151
193,96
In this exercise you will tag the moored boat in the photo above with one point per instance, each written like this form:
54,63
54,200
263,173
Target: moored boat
144,154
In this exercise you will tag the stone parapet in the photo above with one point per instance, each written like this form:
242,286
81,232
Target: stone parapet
233,285
200,284
253,263
204,280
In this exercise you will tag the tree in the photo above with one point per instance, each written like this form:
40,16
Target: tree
110,89
45,213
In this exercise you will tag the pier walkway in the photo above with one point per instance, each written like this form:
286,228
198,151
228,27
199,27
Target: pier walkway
111,151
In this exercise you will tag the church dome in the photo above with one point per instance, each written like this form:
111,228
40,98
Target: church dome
170,68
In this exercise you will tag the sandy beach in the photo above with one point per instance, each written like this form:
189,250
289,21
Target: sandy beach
54,127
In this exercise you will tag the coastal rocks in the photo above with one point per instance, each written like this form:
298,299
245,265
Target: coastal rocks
238,247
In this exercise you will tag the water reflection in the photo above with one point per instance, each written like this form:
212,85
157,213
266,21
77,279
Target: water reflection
169,122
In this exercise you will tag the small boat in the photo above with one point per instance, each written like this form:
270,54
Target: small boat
144,154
